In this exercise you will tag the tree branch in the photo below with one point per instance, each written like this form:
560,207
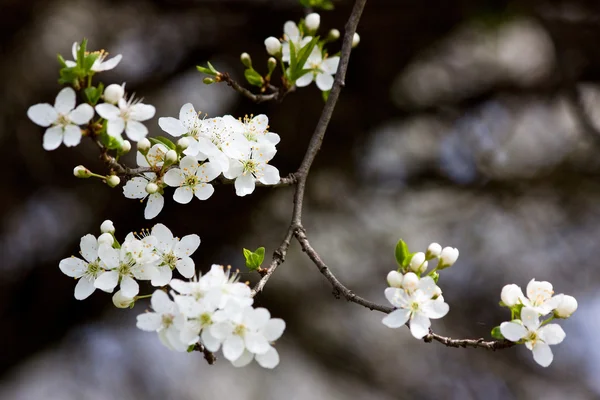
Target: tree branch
278,93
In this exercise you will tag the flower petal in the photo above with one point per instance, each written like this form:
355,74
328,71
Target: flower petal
187,246
174,177
65,101
542,354
244,185
82,114
186,267
330,65
552,333
396,318
436,308
42,114
108,111
135,130
106,65
107,281
71,135
163,277
245,359
270,175
233,347
154,205
53,137
419,325
172,126
73,267
183,195
324,81
89,247
109,256
129,287
84,288
160,302
270,359
210,342
305,79
141,112
149,322
188,116
530,318
513,331
274,329
204,191
115,127
135,188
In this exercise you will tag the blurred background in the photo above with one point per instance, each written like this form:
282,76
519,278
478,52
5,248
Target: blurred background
475,124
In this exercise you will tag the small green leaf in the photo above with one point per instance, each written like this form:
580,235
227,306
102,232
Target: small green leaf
111,142
260,252
205,70
61,61
191,348
213,70
254,259
93,94
325,94
247,254
253,77
164,141
88,61
81,53
305,51
402,253
502,304
496,334
436,277
293,60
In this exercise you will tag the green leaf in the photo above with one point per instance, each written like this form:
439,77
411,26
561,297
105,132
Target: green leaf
436,277
496,334
93,94
210,66
164,141
61,61
205,70
88,61
305,51
260,252
502,304
253,77
191,348
111,142
293,60
254,259
325,94
402,253
81,53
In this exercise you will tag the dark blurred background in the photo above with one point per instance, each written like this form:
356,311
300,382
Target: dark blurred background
472,123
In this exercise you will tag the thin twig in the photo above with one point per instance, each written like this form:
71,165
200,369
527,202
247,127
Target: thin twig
278,93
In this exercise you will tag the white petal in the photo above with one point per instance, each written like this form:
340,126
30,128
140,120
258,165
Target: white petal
305,79
189,333
245,359
42,114
135,188
244,185
187,246
189,164
209,171
268,360
210,342
513,331
109,256
396,297
53,137
107,281
164,276
233,347
71,135
291,30
129,287
272,138
136,131
256,343
172,126
188,116
396,318
542,354
115,127
183,195
427,286
541,289
65,101
82,114
106,65
235,169
180,286
84,288
154,205
141,112
530,318
73,267
149,322
108,111
89,247
274,329
160,302
324,81
552,333
174,177
186,267
204,191
271,175
436,309
330,65
419,325
164,237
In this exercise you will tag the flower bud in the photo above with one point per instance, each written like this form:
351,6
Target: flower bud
113,181
151,188
107,227
312,21
394,279
410,282
511,294
434,250
121,301
106,238
333,34
355,40
208,81
171,157
126,147
418,263
183,143
143,146
81,172
271,64
273,46
113,93
448,257
566,306
246,60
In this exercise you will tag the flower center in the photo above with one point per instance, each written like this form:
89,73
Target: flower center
205,319
191,180
250,166
93,269
170,259
239,330
414,307
167,320
124,268
63,120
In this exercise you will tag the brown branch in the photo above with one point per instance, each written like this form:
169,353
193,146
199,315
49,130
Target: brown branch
278,93
340,290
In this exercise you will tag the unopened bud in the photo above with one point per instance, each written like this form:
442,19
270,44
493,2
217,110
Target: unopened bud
394,279
448,257
246,60
434,250
81,172
107,227
410,282
355,40
113,181
107,239
566,306
113,93
333,34
143,146
312,21
151,188
125,147
511,295
271,64
183,143
418,263
208,81
273,46
121,301
171,157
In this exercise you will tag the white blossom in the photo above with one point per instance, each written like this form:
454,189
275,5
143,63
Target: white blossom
255,130
166,320
99,64
128,117
174,253
539,297
537,338
251,167
61,120
107,226
192,179
511,295
448,256
321,70
565,306
291,33
86,270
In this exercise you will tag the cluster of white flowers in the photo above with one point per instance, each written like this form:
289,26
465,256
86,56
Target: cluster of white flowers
319,65
528,326
216,311
418,299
